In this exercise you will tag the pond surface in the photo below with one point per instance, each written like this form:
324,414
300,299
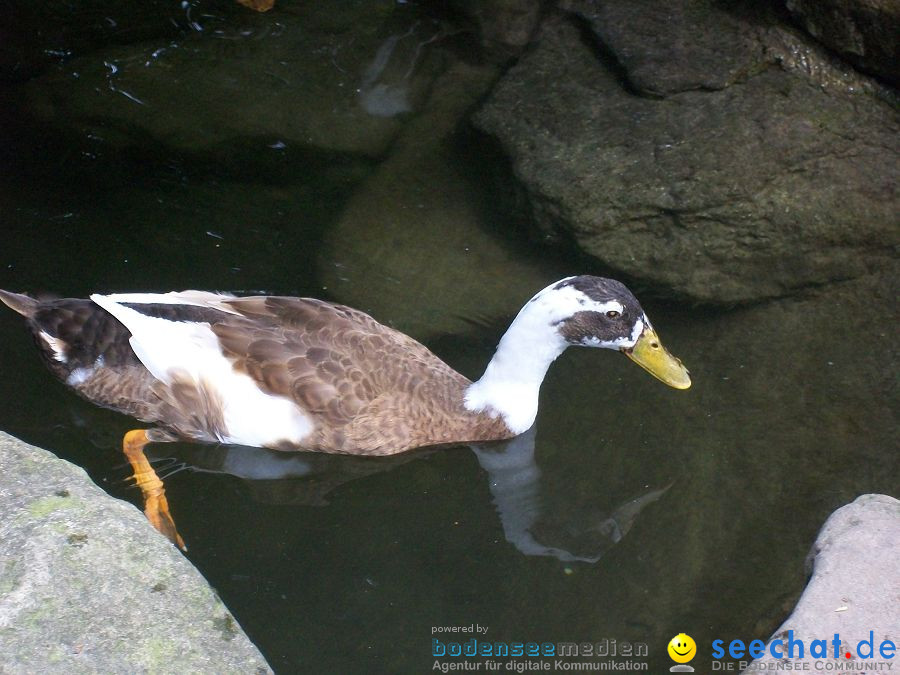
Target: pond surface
632,513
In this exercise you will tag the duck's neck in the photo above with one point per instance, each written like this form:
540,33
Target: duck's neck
511,383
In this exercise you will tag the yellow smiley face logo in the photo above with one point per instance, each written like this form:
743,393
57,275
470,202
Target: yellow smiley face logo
682,648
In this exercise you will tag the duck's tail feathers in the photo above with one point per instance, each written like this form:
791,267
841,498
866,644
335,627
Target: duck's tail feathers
23,304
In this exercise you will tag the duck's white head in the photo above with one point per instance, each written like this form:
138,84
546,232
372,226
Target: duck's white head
583,311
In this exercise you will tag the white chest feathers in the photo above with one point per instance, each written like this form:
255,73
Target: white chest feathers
510,386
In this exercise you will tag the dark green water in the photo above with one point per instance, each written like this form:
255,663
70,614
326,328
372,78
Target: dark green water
347,565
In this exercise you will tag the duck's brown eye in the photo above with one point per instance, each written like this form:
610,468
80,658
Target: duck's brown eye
612,314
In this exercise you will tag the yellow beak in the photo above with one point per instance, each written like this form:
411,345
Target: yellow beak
650,355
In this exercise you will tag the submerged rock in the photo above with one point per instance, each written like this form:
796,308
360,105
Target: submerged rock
726,168
865,32
35,35
852,591
413,247
309,75
87,585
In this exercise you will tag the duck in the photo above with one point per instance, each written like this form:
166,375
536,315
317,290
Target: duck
294,374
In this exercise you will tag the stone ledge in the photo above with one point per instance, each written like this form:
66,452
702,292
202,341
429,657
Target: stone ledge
87,585
853,588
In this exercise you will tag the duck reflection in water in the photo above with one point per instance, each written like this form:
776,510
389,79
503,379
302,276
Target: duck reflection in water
512,474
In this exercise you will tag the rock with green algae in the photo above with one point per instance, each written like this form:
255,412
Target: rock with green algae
87,585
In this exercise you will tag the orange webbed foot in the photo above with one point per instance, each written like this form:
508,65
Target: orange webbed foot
156,506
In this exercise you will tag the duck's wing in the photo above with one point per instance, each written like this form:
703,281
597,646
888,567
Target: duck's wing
371,389
325,358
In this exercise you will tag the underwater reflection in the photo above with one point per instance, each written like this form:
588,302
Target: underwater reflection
514,478
387,83
515,482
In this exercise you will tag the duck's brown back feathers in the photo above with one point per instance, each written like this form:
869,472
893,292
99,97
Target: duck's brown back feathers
368,386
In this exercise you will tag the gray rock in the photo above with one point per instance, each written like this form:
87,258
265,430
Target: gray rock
853,589
782,177
312,75
665,48
865,32
87,585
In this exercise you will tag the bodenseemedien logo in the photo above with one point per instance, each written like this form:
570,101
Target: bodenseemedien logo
682,649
